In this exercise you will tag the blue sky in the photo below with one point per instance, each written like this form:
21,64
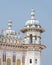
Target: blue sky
19,12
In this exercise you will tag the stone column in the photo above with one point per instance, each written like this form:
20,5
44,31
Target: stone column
4,58
23,58
14,58
33,40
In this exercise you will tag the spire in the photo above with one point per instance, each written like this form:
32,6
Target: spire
9,24
32,14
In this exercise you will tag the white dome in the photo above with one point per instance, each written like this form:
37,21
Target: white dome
33,22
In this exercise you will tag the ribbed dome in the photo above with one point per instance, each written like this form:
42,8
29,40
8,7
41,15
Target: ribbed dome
32,21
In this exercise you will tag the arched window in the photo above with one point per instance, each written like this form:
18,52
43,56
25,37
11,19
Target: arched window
30,38
8,61
30,61
35,37
0,40
3,40
18,62
7,40
0,61
36,61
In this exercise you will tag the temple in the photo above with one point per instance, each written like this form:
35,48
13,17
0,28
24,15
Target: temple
17,51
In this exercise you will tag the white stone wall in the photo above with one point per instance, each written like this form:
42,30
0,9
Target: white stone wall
38,57
28,55
32,55
34,33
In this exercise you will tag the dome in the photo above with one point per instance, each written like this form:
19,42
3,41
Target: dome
32,21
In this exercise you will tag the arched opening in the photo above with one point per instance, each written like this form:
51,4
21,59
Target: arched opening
30,61
30,38
35,37
18,62
8,61
36,61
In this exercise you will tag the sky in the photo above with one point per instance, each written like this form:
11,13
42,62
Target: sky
19,12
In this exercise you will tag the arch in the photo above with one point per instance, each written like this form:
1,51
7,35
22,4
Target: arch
8,61
30,60
31,38
18,62
0,61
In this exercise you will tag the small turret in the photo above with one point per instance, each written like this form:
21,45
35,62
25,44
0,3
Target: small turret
32,30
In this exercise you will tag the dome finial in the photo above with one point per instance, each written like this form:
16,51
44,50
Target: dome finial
32,14
9,24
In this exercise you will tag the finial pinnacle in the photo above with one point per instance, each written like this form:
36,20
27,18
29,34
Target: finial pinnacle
9,24
32,14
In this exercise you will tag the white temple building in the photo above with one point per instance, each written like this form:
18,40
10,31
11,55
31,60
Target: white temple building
17,51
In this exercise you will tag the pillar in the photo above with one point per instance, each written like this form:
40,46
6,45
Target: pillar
23,58
4,57
14,58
